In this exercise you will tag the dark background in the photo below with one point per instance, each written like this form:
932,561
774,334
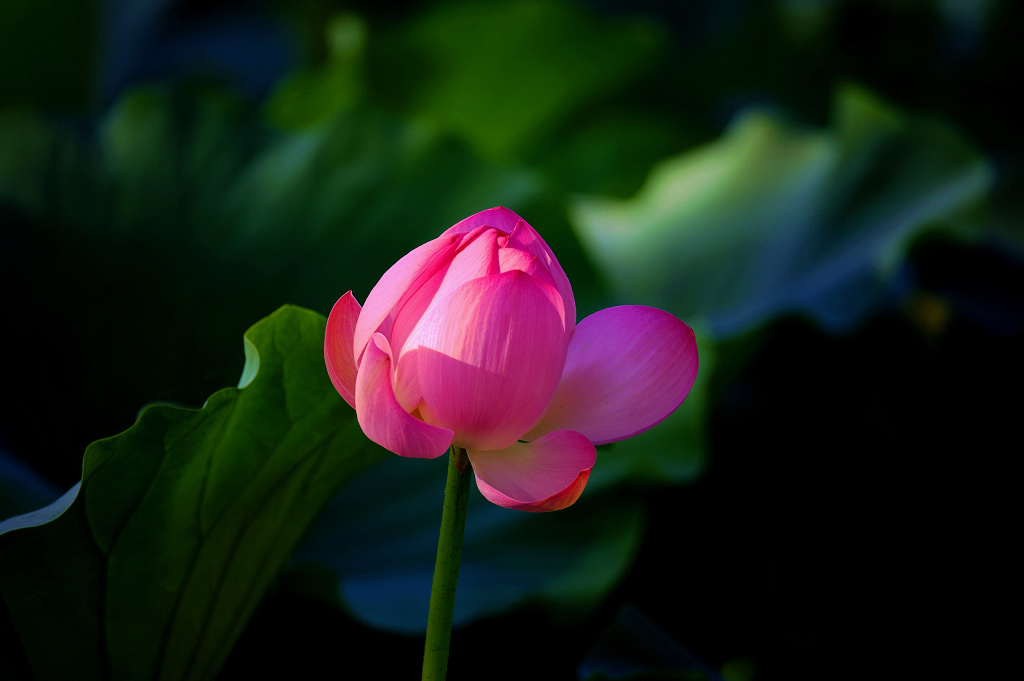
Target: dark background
851,520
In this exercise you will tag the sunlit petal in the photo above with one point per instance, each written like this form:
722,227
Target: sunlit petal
401,280
626,370
490,356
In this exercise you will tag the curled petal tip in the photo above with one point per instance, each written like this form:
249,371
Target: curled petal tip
499,217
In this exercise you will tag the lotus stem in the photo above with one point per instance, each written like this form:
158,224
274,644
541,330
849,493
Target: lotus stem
446,568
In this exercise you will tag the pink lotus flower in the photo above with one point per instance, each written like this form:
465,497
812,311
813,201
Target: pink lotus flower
471,340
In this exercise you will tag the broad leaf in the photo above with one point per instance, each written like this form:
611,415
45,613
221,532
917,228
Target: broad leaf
773,218
183,520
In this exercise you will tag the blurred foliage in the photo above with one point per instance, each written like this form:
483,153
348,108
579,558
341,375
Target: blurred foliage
505,75
172,171
559,562
46,53
771,219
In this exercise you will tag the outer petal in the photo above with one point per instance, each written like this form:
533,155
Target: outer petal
401,280
490,356
547,474
383,419
476,256
627,369
341,365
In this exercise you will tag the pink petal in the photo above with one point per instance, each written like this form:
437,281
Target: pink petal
515,259
475,257
341,365
413,306
400,281
626,370
547,474
405,380
381,417
525,238
499,218
490,356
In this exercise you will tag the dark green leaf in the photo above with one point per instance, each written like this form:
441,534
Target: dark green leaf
183,520
52,581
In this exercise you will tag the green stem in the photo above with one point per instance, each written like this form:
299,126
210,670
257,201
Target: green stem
446,569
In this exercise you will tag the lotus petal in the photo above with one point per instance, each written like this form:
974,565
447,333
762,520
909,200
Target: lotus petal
626,370
547,474
381,416
341,365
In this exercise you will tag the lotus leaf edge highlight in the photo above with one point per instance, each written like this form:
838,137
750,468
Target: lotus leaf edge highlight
471,341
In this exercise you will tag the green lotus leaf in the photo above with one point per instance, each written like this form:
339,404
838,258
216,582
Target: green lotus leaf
183,520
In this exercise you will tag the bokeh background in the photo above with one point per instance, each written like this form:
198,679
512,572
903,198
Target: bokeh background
828,192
